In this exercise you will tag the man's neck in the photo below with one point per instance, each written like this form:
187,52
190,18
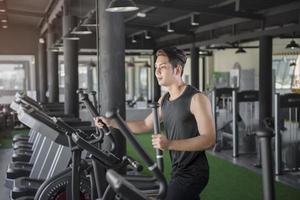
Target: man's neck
176,89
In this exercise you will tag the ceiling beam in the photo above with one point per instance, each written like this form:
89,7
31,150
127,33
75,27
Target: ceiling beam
143,44
53,9
156,29
25,13
223,3
273,32
191,8
160,28
233,21
212,26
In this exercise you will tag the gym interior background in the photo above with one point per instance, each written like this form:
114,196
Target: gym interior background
236,48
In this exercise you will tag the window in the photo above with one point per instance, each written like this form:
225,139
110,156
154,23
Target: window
12,77
285,72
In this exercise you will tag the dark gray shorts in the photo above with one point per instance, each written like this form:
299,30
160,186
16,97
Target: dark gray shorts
180,188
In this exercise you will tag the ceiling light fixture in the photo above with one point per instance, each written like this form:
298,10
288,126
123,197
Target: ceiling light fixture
121,6
194,20
41,41
81,30
133,39
3,7
54,49
240,50
141,14
147,35
70,36
90,21
292,45
170,28
293,63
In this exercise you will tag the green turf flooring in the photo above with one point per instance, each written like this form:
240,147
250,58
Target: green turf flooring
7,135
227,181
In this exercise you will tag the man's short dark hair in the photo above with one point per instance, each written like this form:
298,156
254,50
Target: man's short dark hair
176,56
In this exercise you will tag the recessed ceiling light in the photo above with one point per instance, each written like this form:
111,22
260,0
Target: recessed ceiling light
170,28
41,40
194,21
141,14
133,39
147,35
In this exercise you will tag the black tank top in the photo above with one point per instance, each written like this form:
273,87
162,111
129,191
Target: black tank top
180,123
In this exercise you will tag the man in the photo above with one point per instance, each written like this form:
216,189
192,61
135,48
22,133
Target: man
188,122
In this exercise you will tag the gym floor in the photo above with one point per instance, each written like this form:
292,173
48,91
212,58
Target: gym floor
249,160
246,161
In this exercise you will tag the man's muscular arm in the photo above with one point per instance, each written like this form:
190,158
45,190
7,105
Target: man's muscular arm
136,126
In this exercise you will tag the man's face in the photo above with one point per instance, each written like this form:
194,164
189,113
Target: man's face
164,71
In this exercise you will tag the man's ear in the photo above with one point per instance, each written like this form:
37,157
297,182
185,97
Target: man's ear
178,69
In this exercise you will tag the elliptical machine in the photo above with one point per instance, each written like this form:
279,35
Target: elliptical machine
73,182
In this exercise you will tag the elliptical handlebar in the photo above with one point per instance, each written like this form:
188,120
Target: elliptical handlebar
84,97
106,131
123,187
159,153
146,158
21,97
93,93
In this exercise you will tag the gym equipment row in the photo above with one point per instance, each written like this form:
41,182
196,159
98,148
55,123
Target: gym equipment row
287,139
228,101
131,187
286,129
57,145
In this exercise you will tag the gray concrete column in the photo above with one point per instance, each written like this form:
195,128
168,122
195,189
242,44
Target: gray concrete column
90,79
131,82
71,68
265,78
265,110
52,67
195,66
33,74
112,59
35,80
26,66
112,67
137,80
42,71
209,66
